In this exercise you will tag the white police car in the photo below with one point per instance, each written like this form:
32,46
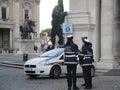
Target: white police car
49,63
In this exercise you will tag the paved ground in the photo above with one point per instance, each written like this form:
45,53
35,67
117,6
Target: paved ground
107,80
16,58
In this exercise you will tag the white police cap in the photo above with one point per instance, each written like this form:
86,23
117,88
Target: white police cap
86,40
69,36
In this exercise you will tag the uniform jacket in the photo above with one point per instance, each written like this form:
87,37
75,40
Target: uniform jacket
70,54
86,56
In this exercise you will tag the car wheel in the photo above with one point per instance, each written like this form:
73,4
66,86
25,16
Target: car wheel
92,71
32,76
55,72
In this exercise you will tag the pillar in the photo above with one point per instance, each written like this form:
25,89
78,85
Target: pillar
16,18
37,3
77,6
97,31
16,32
0,12
116,33
11,38
107,58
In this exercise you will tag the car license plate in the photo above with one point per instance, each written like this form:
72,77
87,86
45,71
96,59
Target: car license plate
29,69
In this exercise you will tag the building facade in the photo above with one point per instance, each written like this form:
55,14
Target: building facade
99,21
13,13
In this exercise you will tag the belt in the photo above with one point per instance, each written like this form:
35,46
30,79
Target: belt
87,58
70,56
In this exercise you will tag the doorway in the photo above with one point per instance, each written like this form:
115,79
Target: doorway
4,38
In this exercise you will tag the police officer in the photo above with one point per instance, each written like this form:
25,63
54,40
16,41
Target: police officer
86,59
71,62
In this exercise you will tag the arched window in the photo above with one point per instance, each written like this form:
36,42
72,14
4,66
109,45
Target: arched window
27,10
4,9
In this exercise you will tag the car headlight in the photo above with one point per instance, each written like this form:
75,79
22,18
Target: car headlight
44,63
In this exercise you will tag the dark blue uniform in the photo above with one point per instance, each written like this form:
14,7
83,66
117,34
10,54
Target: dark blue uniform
86,59
71,52
71,62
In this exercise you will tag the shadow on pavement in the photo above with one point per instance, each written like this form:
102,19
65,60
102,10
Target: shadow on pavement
47,77
113,72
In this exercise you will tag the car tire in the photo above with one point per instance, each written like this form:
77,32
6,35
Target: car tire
55,72
93,71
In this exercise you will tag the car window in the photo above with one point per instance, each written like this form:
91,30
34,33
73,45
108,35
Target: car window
53,53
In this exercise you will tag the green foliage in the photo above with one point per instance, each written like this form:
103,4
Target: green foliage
48,31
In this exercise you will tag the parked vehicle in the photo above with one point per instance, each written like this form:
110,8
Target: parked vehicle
49,63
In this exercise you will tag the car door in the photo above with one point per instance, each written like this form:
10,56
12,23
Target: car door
63,66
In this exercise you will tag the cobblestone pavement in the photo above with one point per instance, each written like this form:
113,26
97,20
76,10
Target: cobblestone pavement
109,80
18,81
105,83
16,58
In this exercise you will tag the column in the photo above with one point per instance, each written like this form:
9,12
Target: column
78,6
116,33
0,12
82,19
97,30
11,38
37,2
107,59
16,31
16,18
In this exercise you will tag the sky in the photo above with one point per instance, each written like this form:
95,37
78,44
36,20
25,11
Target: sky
46,8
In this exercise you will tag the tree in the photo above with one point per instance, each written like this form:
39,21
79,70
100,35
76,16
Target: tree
58,16
48,31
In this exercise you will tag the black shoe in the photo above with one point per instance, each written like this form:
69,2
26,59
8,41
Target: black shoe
75,88
69,88
83,84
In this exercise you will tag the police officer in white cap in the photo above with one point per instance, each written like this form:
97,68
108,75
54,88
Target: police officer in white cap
70,60
86,59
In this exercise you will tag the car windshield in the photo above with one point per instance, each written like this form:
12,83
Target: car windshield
53,53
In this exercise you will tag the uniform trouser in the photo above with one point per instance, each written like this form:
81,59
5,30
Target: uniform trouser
71,75
87,76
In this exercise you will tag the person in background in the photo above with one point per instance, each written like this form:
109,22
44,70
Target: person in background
35,48
50,46
86,59
70,60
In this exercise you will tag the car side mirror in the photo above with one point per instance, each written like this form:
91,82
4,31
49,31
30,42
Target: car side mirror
61,58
